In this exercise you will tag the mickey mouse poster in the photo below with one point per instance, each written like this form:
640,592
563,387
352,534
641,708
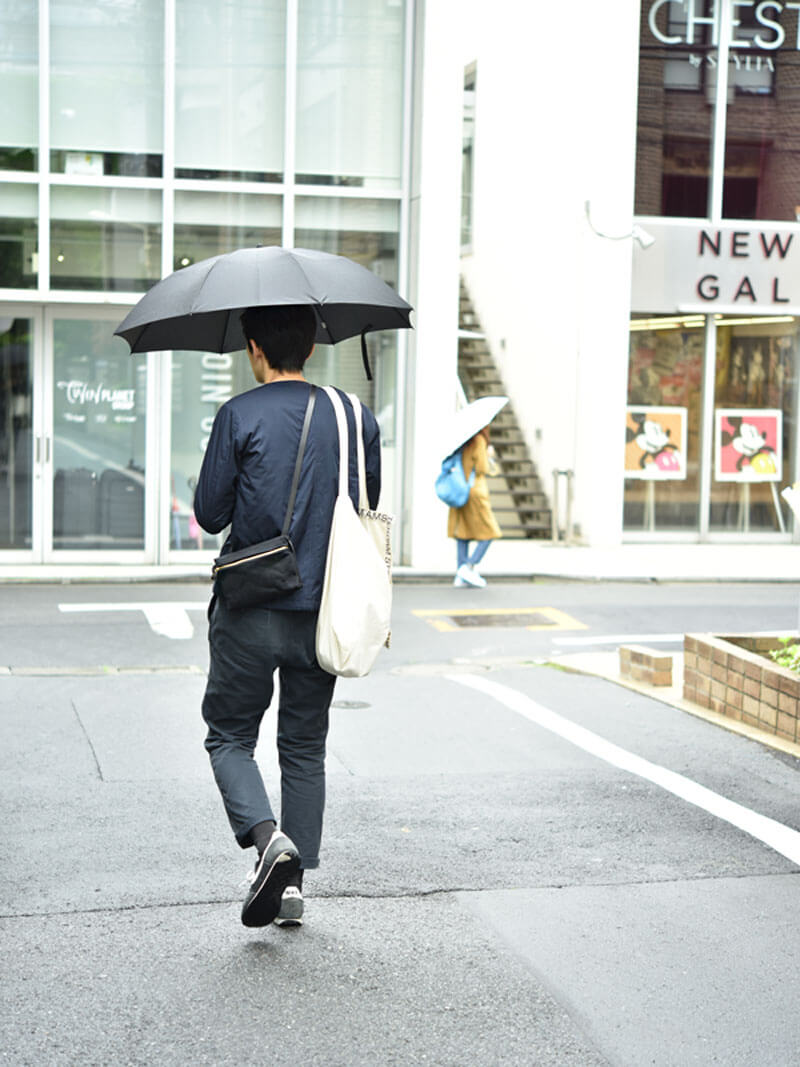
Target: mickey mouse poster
655,442
748,445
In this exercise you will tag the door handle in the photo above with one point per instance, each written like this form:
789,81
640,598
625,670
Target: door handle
47,442
37,454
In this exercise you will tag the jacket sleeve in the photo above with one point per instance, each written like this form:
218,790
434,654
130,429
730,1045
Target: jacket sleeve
372,457
215,495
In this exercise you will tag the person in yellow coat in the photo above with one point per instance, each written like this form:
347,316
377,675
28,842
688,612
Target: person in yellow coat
474,521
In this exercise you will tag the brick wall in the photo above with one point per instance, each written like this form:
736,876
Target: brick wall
763,134
732,676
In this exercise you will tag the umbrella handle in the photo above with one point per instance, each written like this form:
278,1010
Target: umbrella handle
364,353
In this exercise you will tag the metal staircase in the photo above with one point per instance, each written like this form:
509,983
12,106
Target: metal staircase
516,493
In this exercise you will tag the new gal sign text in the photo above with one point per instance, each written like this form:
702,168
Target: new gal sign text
717,268
748,288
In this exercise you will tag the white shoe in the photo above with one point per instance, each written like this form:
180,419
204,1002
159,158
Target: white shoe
459,582
470,576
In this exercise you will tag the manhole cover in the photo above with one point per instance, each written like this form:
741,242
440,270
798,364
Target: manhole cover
350,704
503,618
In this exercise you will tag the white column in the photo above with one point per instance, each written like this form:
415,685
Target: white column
435,209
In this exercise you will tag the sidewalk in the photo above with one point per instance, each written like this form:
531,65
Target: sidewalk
508,559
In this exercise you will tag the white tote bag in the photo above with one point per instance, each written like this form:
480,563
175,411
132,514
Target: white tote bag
355,613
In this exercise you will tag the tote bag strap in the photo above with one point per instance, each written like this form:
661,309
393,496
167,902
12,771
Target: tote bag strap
341,425
363,502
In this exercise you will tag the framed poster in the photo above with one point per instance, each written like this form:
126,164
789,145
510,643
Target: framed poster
655,442
748,444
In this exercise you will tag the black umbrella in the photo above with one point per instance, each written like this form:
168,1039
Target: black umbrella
198,307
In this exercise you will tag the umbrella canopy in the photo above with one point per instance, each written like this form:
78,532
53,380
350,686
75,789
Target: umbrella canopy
469,420
198,307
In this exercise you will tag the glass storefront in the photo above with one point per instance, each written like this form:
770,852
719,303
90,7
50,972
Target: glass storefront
201,383
209,224
161,146
229,95
16,432
19,237
350,79
366,231
755,423
662,461
99,439
19,75
762,140
711,420
106,87
676,112
717,467
104,239
679,94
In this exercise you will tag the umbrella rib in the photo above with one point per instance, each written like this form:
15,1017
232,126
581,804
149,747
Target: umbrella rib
214,262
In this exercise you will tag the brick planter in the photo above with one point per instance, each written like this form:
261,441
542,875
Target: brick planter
730,674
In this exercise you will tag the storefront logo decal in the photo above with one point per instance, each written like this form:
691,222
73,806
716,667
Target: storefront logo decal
83,393
216,387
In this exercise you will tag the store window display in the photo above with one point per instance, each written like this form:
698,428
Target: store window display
754,423
662,485
692,464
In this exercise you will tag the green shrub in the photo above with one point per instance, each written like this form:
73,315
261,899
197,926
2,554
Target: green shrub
788,655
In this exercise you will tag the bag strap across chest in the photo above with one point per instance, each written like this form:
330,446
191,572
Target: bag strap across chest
312,398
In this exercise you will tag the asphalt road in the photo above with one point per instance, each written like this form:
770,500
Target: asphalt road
520,865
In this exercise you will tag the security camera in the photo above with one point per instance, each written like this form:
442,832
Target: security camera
644,238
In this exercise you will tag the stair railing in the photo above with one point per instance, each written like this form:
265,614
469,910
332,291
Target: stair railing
562,479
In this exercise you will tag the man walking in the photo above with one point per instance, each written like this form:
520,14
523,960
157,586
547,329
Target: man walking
245,481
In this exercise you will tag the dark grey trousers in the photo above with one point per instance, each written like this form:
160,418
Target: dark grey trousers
246,648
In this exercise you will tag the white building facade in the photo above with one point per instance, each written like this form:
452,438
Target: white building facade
148,134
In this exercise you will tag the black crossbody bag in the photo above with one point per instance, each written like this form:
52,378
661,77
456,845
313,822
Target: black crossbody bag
263,572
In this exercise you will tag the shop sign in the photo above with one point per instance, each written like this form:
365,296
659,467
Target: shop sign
707,268
690,23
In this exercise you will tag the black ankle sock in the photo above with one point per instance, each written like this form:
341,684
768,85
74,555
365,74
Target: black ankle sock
297,879
261,833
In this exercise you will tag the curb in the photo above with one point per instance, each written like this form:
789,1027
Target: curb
605,665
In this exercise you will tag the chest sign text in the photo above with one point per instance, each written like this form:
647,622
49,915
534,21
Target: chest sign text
732,245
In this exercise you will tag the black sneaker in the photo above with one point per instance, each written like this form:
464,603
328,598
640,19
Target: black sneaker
291,911
277,865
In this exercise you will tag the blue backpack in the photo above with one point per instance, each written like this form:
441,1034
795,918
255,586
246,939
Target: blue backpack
451,485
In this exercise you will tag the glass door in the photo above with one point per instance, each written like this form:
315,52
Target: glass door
19,439
96,460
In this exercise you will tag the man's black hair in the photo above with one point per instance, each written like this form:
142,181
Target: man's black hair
284,334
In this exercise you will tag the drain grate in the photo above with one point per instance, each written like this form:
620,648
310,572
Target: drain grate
540,618
503,618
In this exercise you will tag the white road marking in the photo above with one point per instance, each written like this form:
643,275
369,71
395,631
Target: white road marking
774,834
167,618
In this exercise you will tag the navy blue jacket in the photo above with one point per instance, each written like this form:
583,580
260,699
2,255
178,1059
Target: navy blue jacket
247,474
